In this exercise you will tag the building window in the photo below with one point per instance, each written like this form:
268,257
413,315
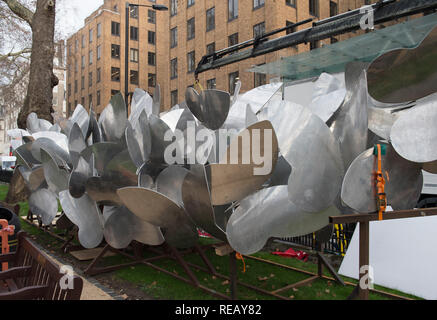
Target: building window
210,84
151,58
75,86
290,30
134,77
174,97
210,19
76,45
91,35
152,80
151,37
174,68
83,41
258,4
76,67
259,29
98,97
115,51
151,16
114,92
314,7
232,9
134,53
233,40
259,79
333,8
232,81
210,48
82,101
83,62
291,3
134,33
69,89
174,37
314,45
173,7
99,30
115,28
191,30
99,52
99,75
115,74
133,12
90,79
75,104
191,60
91,57
90,99
82,82
190,3
334,40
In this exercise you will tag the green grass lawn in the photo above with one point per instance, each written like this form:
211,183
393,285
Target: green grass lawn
162,286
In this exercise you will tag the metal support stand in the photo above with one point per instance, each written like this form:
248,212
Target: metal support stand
233,275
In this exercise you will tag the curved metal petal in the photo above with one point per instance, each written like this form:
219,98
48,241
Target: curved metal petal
122,226
197,202
44,204
141,101
76,144
57,179
211,107
79,177
85,214
328,96
32,123
53,142
156,101
24,155
113,121
403,187
36,179
430,167
158,129
350,124
103,152
269,213
236,92
172,118
139,141
399,76
281,174
169,183
381,121
414,133
80,116
306,142
238,175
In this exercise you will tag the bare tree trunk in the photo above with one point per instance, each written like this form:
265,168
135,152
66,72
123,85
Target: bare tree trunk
41,78
18,190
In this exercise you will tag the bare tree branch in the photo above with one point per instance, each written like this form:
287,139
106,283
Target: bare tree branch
20,10
15,54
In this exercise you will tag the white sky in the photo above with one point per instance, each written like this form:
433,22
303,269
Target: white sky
71,14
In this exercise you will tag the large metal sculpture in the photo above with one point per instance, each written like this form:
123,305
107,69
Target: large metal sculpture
243,168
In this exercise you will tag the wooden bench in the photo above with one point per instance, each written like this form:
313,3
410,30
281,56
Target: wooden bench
32,275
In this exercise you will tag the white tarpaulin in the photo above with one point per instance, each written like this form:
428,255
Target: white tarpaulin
403,254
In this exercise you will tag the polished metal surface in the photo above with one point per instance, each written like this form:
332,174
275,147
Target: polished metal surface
197,202
158,129
85,214
94,129
24,155
103,152
328,96
53,142
235,179
32,123
79,177
210,107
311,149
57,178
113,119
81,118
122,226
414,133
404,181
281,174
169,183
44,204
76,144
350,123
139,140
160,211
156,106
141,101
405,74
381,121
171,118
269,213
35,178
